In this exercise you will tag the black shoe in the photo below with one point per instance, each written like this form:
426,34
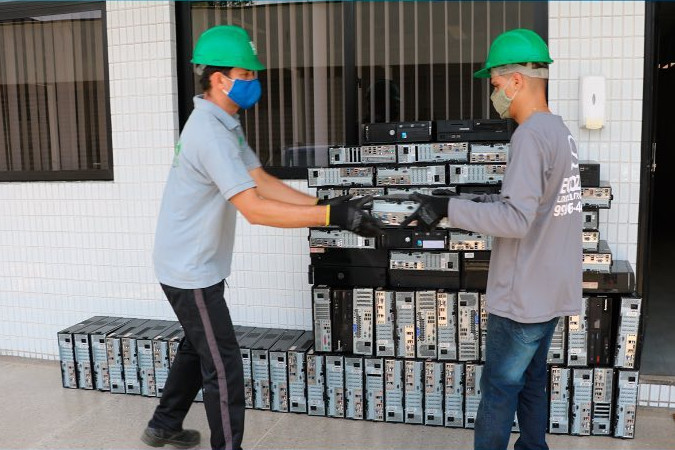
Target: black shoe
156,437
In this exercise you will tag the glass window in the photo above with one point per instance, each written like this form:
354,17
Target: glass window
54,114
415,60
301,110
333,66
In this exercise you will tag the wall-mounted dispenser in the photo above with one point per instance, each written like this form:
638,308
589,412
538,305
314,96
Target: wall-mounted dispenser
592,102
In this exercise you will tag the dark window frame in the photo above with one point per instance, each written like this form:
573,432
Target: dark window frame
352,128
20,9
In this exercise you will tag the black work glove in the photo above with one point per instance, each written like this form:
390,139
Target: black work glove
477,198
350,215
334,200
444,191
432,209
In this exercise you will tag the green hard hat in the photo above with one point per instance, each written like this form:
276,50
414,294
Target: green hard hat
226,46
515,46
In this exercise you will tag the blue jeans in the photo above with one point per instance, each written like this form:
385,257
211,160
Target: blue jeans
514,380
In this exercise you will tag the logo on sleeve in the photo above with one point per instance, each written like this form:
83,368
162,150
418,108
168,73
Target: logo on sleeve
569,197
176,154
573,152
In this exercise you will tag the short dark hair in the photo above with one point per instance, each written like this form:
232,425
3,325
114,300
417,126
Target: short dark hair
205,78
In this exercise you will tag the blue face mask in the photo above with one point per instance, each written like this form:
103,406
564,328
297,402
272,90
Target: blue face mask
244,93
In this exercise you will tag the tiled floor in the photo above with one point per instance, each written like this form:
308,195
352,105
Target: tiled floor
37,412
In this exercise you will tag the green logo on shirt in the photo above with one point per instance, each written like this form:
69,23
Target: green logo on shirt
176,152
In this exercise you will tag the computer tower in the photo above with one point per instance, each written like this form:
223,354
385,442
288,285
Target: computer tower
161,346
483,325
278,361
385,324
577,338
335,386
582,401
559,404
260,367
84,349
342,320
99,353
393,390
146,356
414,391
473,393
601,330
626,353
446,303
557,350
454,394
316,384
434,381
625,401
603,398
362,321
425,315
468,326
405,324
66,338
374,386
246,345
119,352
354,389
297,372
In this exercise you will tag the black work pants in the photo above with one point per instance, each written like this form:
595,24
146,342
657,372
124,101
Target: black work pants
209,356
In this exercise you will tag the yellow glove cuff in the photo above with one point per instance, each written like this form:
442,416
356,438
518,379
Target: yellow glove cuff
327,215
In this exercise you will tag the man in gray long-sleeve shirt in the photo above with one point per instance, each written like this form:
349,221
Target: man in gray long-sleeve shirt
535,273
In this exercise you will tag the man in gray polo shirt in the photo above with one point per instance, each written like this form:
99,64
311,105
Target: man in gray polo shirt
535,271
214,174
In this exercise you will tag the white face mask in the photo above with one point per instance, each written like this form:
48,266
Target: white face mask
501,101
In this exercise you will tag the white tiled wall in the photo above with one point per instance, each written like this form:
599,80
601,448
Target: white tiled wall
72,250
69,251
604,38
656,395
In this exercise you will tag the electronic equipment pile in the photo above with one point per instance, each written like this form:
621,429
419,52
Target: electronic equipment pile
399,321
124,355
401,318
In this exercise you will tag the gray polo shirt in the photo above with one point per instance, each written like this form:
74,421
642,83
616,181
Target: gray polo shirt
536,261
195,228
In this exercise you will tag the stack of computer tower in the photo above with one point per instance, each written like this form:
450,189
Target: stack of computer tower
80,351
594,355
410,305
120,355
134,356
275,368
399,320
594,388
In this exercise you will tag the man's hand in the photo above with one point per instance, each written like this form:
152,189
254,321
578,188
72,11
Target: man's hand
350,215
335,200
432,209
